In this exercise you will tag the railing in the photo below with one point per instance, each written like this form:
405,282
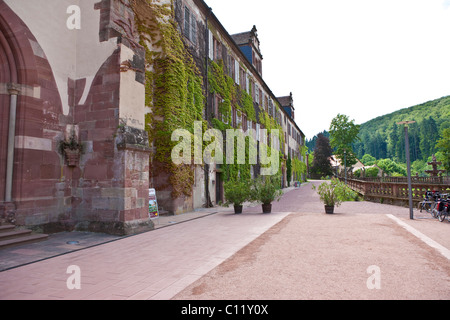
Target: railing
394,190
414,179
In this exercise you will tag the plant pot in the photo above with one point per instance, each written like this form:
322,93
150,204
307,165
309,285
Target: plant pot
237,209
72,157
329,209
267,208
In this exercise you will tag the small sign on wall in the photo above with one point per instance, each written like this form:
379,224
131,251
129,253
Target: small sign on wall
152,204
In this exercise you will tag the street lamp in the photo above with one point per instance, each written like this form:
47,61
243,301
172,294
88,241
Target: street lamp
345,165
408,165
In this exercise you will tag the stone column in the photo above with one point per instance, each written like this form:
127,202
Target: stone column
8,207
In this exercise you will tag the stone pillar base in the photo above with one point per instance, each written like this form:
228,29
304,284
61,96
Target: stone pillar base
7,213
116,227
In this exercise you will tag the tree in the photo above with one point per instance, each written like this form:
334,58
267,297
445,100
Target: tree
342,134
322,153
368,160
391,168
443,145
429,136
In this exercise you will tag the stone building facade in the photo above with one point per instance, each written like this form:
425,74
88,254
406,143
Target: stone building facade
242,59
75,75
70,72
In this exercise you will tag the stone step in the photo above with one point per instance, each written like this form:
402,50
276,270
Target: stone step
24,239
11,234
6,227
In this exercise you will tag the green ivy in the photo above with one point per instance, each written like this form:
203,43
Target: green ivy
174,89
222,84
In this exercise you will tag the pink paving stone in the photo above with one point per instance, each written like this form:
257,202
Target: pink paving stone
158,264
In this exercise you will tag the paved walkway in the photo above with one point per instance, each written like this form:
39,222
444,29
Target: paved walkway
173,259
153,265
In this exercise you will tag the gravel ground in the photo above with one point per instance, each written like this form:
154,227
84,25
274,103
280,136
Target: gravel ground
311,255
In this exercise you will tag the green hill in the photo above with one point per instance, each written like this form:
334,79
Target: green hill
383,138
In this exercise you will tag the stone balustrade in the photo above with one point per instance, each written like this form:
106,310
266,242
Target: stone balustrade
394,190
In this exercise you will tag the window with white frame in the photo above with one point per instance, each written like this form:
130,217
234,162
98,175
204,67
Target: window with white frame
236,72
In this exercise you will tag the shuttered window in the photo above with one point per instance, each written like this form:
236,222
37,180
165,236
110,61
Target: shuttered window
190,26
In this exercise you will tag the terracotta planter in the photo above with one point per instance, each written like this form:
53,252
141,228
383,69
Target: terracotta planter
72,157
237,209
267,208
329,209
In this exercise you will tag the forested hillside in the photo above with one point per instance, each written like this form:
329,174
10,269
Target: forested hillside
383,138
382,141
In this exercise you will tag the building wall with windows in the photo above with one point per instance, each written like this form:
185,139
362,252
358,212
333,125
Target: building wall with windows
241,58
96,84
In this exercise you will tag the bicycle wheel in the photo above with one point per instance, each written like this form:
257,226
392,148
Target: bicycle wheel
434,213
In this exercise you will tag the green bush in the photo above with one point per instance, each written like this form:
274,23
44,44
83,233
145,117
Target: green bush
267,189
335,192
372,172
237,192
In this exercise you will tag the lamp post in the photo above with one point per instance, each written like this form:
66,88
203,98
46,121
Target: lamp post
345,165
408,165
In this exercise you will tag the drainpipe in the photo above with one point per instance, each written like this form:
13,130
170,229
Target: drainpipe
13,90
208,203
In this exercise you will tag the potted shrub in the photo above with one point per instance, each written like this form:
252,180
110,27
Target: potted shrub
236,193
266,190
333,193
71,150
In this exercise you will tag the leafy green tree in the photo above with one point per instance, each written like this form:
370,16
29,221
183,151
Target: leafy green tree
372,172
418,167
368,160
322,153
390,167
428,136
443,145
343,133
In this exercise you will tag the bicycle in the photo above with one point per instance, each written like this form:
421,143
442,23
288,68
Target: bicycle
442,210
428,205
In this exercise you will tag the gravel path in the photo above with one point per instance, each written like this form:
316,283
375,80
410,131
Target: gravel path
311,255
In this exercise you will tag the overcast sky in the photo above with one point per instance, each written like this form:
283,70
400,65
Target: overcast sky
360,58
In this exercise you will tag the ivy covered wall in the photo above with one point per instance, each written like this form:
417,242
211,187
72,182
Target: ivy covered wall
182,84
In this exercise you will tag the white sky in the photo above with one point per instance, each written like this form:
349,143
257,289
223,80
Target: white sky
360,58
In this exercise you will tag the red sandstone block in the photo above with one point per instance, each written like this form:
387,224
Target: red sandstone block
95,172
36,188
28,156
111,78
98,81
102,97
79,117
100,114
101,124
101,134
87,125
31,129
51,158
49,171
73,172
